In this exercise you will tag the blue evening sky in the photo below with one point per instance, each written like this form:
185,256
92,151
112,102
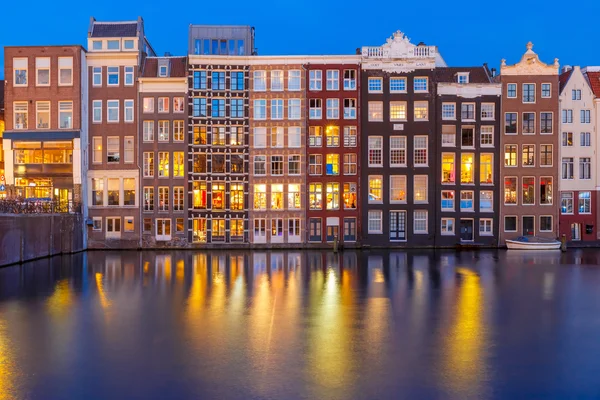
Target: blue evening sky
469,32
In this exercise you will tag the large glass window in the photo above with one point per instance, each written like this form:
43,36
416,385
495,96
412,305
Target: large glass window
113,191
350,200
199,193
510,190
420,189
486,168
448,168
218,195
466,168
315,196
333,196
375,189
236,196
294,196
546,190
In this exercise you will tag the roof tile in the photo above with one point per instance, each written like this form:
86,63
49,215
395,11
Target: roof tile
116,29
594,79
563,79
448,74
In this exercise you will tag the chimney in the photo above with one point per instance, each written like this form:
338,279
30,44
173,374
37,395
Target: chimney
566,68
167,54
493,72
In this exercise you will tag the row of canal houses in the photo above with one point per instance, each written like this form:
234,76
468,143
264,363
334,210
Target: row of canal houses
224,147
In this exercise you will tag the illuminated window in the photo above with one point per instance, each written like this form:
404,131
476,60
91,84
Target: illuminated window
333,196
218,136
199,163
237,229
510,155
277,229
236,196
528,192
199,191
129,186
163,164
528,155
486,168
277,197
350,196
97,191
218,195
218,163
375,110
421,110
200,135
546,190
237,163
236,136
178,165
466,168
260,197
397,111
277,136
199,230
315,136
332,164
420,189
218,230
294,197
398,189
510,190
375,189
448,168
148,106
315,196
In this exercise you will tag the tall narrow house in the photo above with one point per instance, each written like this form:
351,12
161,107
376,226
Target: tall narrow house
399,143
218,128
46,123
163,145
333,148
529,140
277,206
116,51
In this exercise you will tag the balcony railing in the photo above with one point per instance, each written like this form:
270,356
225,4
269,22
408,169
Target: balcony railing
384,52
38,206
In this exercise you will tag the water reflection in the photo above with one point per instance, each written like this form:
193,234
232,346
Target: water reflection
309,324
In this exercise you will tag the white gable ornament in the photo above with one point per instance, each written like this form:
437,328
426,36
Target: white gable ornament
530,64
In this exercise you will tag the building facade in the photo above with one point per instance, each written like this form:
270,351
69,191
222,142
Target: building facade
593,78
218,128
2,127
529,140
115,55
46,124
163,151
578,196
468,142
333,148
399,143
277,151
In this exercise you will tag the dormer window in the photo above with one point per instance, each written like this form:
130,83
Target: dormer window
97,44
113,45
462,77
162,71
128,44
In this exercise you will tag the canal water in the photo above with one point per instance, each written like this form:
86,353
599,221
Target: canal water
305,325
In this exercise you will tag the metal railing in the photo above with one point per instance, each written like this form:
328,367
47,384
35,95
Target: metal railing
25,206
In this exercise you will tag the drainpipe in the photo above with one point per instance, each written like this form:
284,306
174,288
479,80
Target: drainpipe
139,146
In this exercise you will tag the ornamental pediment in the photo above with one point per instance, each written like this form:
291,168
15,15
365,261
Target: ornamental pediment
530,64
398,46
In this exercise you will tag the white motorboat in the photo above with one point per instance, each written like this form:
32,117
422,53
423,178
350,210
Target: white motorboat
532,243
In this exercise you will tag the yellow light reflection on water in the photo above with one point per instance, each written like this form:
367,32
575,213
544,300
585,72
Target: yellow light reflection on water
61,299
7,366
104,302
464,366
